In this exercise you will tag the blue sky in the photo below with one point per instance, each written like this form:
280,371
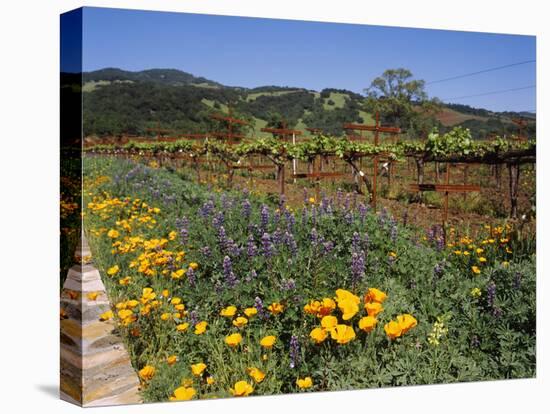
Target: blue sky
253,52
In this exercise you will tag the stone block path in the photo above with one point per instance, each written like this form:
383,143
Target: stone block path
95,366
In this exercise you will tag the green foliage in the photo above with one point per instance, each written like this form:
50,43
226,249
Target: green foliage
488,317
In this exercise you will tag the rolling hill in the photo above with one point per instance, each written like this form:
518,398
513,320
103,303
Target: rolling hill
117,101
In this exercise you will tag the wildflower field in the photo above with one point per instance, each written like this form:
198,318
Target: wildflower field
221,293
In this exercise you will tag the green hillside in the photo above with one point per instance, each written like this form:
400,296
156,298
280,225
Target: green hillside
118,101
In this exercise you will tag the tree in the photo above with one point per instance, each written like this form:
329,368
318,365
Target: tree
403,102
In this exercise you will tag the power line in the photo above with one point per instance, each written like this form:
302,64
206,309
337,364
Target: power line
491,93
481,71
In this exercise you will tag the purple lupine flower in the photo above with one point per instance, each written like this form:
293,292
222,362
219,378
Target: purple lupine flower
339,196
206,209
276,217
254,229
294,351
250,276
497,312
222,239
438,270
193,317
259,305
357,267
393,232
290,220
264,217
313,215
247,208
430,235
325,204
288,284
218,220
276,237
328,247
366,242
230,278
355,241
191,276
226,202
440,243
183,225
491,294
348,217
382,217
205,251
290,242
233,248
251,248
474,342
267,245
306,197
314,236
347,202
362,212
304,216
354,198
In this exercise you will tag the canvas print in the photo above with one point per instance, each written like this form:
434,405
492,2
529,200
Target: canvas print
258,206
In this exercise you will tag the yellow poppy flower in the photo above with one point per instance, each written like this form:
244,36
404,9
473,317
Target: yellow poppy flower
342,295
318,335
342,334
476,270
349,308
125,281
312,307
375,295
241,389
182,327
329,322
113,234
229,311
113,270
268,341
250,312
197,369
406,322
373,308
304,383
367,323
106,315
92,295
275,308
183,394
233,340
147,372
240,322
256,374
171,360
393,329
200,327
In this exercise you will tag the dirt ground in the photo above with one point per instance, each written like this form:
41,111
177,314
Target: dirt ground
467,212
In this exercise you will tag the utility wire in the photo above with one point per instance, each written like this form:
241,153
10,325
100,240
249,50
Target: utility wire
481,71
491,93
